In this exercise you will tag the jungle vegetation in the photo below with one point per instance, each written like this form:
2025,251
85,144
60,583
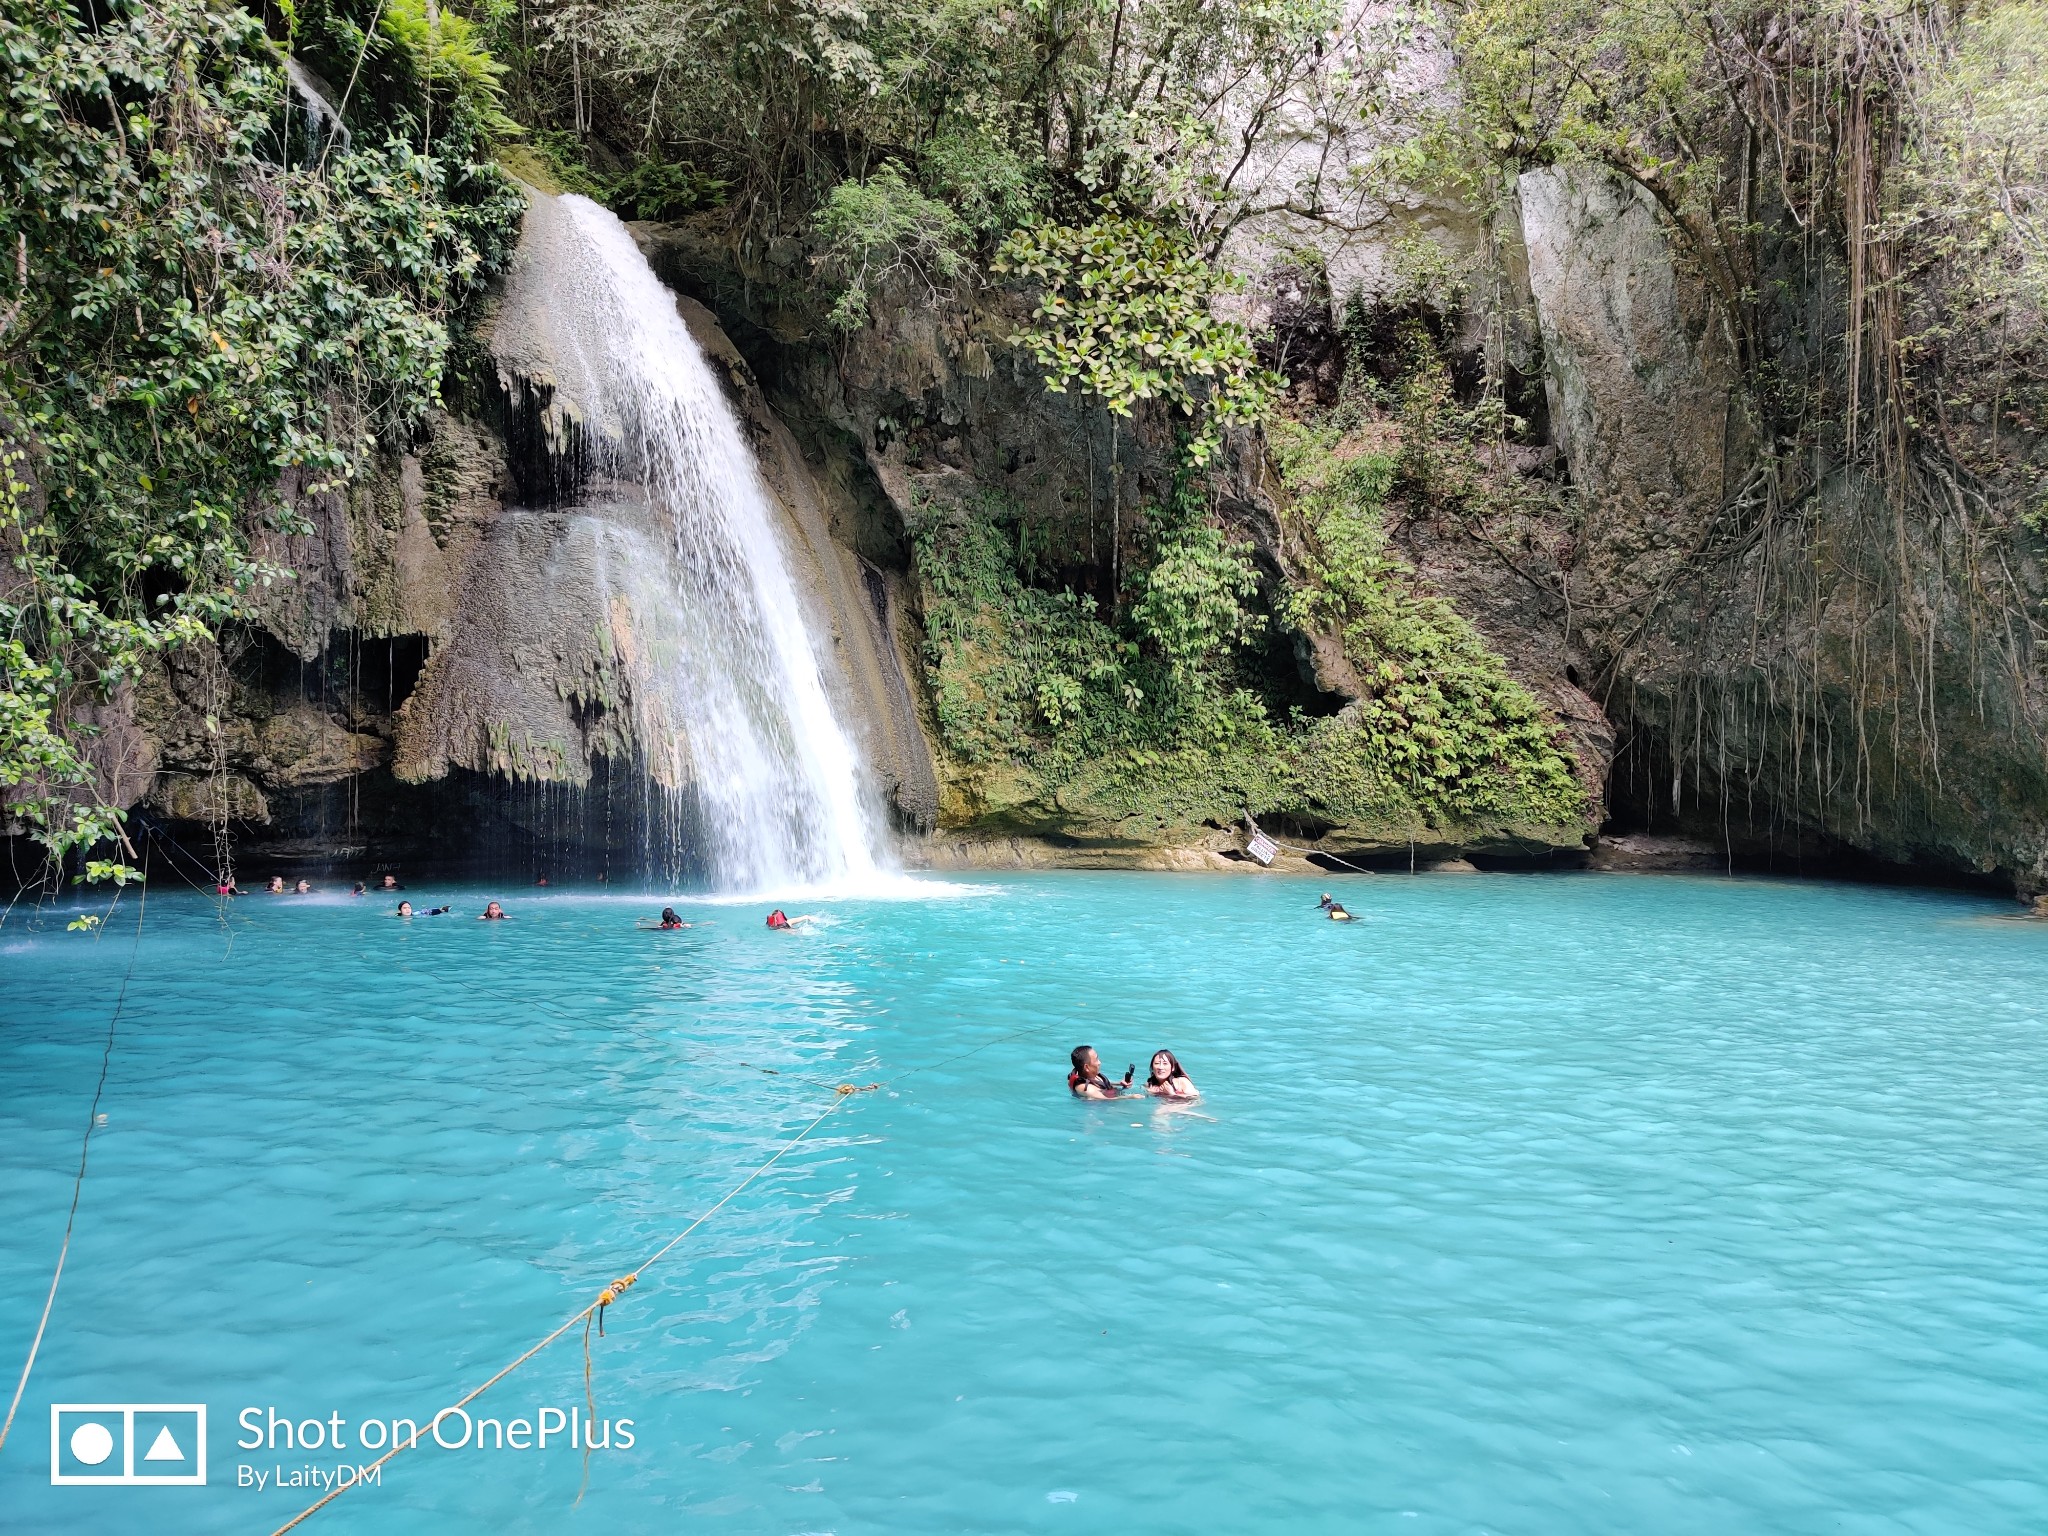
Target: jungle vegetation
211,299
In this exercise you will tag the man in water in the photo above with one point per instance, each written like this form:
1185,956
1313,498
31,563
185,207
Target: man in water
1335,912
1086,1080
390,883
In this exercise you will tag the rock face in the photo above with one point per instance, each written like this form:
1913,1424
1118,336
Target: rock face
498,604
1641,383
1807,665
931,407
1755,652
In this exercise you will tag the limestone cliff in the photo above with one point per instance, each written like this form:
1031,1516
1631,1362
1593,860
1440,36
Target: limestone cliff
1744,645
457,669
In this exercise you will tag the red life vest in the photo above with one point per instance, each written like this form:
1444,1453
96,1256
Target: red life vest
777,920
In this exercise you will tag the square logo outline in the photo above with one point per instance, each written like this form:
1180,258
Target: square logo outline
127,1477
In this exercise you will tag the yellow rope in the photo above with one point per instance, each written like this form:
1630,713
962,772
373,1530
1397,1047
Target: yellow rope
841,1093
604,1299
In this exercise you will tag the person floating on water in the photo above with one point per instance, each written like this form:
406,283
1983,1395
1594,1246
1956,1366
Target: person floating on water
1086,1080
783,923
491,913
670,920
405,909
1336,913
1168,1080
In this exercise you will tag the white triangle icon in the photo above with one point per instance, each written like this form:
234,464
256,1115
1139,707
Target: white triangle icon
163,1447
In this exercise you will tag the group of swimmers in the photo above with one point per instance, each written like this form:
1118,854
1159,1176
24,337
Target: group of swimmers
1167,1080
668,922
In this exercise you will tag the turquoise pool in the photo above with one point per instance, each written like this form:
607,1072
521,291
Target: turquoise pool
1528,1204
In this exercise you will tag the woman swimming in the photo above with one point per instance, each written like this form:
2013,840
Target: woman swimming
491,913
1086,1081
1168,1081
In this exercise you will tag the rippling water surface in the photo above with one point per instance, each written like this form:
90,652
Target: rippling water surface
1527,1204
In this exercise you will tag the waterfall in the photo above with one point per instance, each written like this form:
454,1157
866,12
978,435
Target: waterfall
730,706
322,118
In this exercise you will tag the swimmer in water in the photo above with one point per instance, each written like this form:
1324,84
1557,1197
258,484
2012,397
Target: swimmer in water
491,913
276,886
780,923
390,883
358,889
1086,1080
302,889
1339,915
1168,1081
405,909
670,920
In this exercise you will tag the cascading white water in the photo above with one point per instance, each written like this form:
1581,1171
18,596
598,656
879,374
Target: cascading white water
730,703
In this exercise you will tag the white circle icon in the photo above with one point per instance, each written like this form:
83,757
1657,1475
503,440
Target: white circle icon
91,1444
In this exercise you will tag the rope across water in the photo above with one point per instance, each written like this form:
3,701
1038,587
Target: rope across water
609,1296
602,1300
92,1117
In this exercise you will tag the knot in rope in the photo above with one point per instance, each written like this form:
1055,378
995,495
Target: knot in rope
612,1293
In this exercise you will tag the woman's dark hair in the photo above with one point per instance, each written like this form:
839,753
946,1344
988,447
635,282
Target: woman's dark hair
668,915
1172,1061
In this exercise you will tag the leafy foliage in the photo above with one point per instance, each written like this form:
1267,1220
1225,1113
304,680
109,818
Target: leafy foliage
1169,720
873,230
448,62
203,314
1125,313
655,190
1194,599
1189,110
1446,714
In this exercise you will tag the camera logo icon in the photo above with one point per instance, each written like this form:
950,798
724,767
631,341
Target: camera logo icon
129,1445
